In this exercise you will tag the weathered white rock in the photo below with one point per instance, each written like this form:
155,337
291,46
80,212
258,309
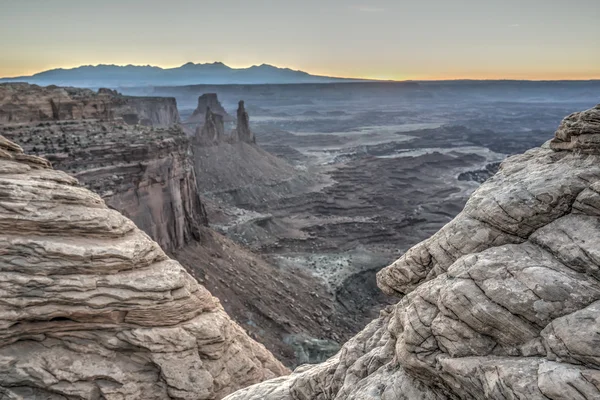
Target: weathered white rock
91,307
579,131
502,303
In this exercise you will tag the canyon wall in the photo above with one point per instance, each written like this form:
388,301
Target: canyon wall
501,303
93,308
146,172
21,102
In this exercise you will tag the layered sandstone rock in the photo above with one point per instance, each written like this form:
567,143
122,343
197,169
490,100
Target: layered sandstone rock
580,131
207,101
501,303
145,173
21,102
105,139
93,308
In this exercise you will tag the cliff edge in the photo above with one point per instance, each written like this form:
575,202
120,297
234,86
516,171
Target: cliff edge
502,303
93,308
22,102
116,146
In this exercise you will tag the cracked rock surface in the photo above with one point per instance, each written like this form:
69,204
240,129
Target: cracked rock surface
92,308
502,303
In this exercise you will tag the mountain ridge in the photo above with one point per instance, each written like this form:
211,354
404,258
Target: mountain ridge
112,75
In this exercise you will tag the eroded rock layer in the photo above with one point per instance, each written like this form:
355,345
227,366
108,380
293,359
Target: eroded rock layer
207,101
242,131
92,308
144,172
580,131
501,303
21,102
212,132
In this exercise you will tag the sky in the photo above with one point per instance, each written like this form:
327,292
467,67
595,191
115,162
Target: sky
378,39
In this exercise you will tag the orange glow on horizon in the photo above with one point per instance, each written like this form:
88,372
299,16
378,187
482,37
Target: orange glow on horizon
372,75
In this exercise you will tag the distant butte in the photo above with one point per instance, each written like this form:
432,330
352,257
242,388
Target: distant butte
208,100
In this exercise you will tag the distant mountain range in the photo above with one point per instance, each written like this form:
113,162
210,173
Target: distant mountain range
95,76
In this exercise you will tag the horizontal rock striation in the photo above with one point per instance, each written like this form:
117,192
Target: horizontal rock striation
580,131
127,149
502,303
92,308
145,173
21,102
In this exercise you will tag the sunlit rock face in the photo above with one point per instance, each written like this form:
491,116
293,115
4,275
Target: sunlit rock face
92,308
501,303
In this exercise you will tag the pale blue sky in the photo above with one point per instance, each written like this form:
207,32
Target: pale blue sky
393,39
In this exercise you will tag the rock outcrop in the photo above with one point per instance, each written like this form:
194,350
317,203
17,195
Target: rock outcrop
21,102
145,172
92,308
212,132
580,131
207,101
502,303
233,168
242,131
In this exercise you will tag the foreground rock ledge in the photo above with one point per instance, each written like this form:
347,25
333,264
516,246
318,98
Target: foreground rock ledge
501,303
92,308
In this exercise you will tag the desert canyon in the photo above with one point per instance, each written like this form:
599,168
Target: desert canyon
381,240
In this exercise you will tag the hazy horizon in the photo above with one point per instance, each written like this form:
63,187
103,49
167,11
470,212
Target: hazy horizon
385,39
344,77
